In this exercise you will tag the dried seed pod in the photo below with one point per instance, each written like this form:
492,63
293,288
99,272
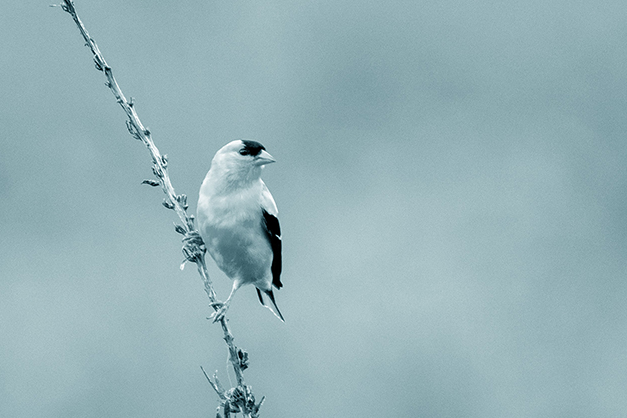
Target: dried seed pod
151,182
167,204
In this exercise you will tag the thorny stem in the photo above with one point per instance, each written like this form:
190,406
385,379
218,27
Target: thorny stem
239,399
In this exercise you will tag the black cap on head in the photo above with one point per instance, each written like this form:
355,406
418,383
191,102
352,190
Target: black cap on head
251,148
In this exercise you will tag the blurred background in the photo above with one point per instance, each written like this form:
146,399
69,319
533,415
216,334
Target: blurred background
452,189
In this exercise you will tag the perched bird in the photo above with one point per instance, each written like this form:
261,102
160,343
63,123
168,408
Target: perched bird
237,220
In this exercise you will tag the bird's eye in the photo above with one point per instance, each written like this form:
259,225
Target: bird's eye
244,151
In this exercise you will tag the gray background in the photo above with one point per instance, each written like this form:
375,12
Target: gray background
452,188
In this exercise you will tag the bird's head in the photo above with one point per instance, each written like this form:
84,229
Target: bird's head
241,160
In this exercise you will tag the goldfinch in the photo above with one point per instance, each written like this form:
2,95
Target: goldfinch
237,220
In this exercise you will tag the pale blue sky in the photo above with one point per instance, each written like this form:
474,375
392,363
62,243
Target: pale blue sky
452,189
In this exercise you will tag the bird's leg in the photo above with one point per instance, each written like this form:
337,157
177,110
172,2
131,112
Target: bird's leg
223,306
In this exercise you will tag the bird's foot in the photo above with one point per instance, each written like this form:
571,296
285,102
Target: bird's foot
221,308
193,246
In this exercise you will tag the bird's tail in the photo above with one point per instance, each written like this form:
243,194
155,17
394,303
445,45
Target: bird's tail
274,309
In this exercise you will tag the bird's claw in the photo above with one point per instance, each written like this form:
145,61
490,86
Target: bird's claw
193,246
220,311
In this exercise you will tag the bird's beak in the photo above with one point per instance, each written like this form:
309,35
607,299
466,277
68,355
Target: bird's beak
264,158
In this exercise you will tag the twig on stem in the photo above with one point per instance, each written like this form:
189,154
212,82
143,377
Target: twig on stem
234,400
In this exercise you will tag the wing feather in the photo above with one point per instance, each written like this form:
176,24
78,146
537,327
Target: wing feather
273,232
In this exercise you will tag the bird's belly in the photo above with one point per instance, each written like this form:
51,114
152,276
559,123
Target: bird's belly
231,227
240,251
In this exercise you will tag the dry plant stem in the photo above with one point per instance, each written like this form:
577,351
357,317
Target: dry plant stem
235,400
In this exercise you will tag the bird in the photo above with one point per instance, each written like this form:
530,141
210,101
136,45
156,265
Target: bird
237,220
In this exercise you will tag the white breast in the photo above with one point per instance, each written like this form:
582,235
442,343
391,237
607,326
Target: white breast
231,226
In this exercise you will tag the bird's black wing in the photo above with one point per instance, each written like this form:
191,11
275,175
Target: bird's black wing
273,231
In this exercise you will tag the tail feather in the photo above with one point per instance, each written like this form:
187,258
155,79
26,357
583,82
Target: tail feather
274,309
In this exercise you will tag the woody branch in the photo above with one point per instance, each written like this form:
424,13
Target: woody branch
234,400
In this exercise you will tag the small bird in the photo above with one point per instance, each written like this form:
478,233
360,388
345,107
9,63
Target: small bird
237,220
